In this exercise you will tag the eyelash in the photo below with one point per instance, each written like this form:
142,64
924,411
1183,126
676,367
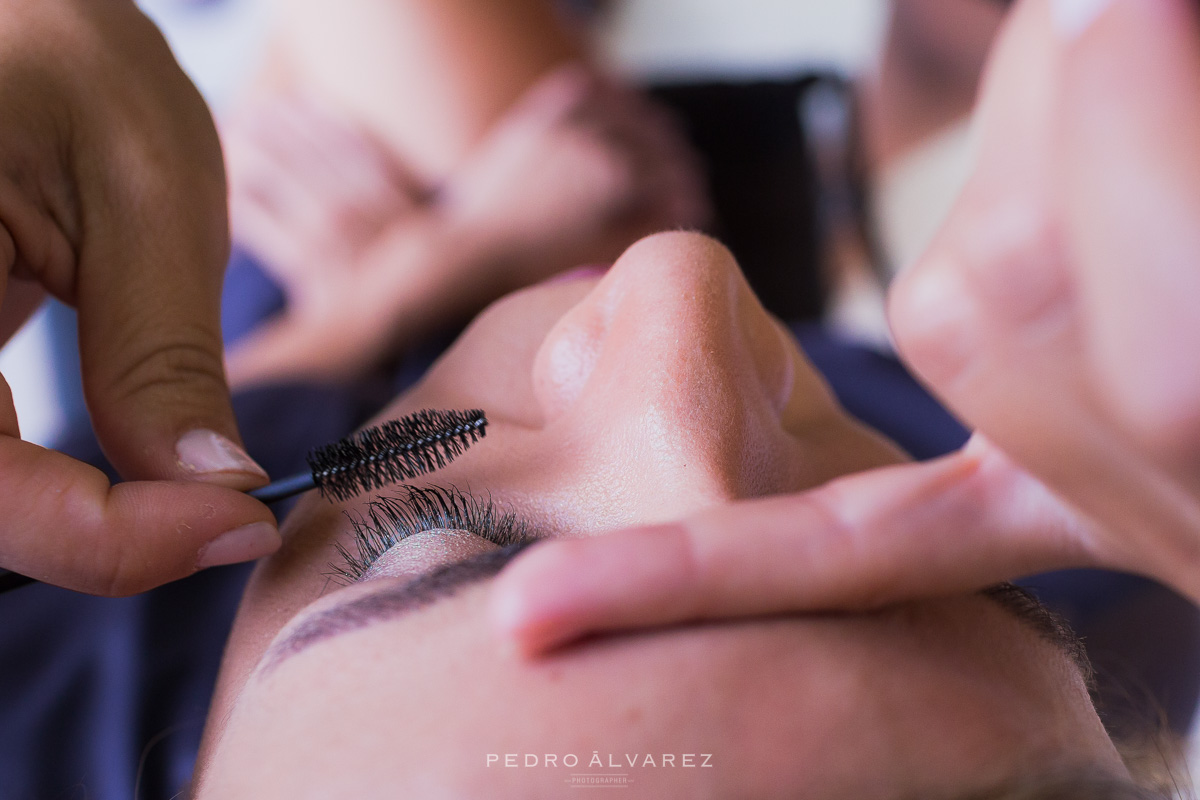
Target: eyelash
392,519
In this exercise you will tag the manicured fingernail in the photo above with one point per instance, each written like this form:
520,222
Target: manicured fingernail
240,544
1073,17
205,452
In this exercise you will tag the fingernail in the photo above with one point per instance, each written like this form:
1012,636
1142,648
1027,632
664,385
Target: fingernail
204,452
240,544
578,273
1073,17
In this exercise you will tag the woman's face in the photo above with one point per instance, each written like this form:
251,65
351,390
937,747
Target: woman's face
648,393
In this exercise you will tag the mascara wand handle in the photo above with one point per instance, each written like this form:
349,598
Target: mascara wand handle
283,489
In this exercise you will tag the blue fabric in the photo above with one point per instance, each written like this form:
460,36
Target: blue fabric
877,390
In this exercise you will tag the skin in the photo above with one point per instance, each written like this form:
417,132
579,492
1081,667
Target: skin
657,390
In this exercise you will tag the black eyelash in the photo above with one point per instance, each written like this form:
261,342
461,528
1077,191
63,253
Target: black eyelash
413,510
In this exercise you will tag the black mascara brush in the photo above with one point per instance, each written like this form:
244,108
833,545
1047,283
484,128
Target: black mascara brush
394,452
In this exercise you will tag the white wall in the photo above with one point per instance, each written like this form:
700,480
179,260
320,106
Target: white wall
665,39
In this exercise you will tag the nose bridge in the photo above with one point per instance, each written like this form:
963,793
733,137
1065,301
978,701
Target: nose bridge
674,320
682,324
678,306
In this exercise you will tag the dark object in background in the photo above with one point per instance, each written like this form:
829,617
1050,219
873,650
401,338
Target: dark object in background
763,182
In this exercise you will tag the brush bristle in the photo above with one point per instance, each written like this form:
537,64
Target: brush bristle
395,451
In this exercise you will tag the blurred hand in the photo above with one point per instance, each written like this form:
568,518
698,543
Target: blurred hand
309,195
574,173
1055,312
112,198
320,204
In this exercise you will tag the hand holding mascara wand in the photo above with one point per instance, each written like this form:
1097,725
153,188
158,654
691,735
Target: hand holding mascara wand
396,451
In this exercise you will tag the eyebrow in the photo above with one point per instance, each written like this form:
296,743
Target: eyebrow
1049,626
393,601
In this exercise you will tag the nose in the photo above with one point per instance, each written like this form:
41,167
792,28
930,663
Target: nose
691,380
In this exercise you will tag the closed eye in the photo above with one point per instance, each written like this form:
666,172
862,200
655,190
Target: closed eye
391,519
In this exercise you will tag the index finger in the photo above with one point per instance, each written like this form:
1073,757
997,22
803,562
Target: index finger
958,524
151,250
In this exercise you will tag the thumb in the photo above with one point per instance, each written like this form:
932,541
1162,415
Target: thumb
958,524
1130,126
155,382
64,524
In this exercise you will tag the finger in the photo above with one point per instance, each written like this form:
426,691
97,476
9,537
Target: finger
959,524
272,351
20,300
366,174
153,245
263,227
65,525
667,171
8,412
258,228
303,195
669,190
294,141
262,174
1130,126
555,96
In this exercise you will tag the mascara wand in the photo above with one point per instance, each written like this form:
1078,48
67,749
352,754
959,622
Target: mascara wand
394,452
